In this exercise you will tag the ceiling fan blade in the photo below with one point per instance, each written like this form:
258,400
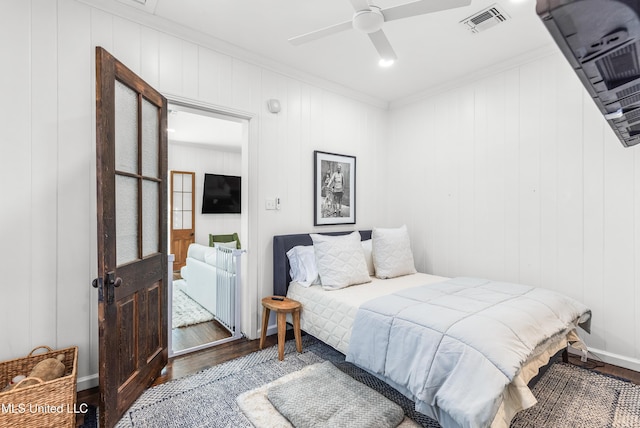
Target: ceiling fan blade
359,5
315,35
421,7
382,45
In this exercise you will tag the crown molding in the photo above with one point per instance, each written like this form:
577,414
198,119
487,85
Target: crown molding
141,16
533,55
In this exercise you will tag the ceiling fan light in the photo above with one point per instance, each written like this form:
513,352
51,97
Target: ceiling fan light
386,62
368,21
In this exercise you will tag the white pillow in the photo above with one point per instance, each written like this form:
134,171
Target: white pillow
303,267
367,247
392,254
302,261
340,260
231,244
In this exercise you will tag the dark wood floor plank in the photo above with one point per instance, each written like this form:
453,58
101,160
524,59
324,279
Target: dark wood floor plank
198,334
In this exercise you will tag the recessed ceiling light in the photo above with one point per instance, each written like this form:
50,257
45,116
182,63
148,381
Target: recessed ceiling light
386,62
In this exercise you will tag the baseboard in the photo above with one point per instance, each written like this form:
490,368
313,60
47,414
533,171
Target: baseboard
88,382
615,359
271,330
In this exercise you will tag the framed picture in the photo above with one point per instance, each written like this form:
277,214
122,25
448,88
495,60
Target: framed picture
334,189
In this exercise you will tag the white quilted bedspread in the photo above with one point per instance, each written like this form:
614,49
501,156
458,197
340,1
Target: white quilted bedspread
329,315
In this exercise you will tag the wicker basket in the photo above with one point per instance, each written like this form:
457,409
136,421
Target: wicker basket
46,404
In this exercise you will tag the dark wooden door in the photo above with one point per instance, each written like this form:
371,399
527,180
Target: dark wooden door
182,215
131,137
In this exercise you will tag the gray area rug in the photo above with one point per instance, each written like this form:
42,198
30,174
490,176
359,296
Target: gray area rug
187,311
568,396
334,400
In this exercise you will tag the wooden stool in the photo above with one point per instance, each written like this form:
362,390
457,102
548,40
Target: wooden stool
282,308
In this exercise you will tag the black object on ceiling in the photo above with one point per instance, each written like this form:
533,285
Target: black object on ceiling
601,41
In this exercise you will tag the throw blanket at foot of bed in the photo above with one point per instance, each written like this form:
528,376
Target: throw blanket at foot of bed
453,347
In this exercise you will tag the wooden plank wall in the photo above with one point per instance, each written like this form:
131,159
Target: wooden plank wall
47,165
517,177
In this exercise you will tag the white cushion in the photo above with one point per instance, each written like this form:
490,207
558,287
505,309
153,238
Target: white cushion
367,247
210,258
392,254
340,260
231,244
199,251
302,260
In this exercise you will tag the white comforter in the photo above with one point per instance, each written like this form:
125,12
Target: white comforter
454,346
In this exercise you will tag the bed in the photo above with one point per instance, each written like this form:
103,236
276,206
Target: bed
331,315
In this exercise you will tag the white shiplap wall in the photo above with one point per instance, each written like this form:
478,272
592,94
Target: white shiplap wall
517,177
201,159
47,165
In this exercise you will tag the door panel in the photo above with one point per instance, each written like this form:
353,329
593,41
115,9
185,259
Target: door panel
131,120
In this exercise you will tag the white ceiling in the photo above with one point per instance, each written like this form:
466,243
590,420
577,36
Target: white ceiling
432,49
190,126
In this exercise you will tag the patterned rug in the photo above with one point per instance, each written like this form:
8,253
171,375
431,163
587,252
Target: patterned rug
187,311
568,396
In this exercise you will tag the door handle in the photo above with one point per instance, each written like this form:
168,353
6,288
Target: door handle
114,280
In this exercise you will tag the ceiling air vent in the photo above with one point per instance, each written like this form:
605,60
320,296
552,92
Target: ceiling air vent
485,19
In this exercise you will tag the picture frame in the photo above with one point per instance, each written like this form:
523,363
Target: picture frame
334,183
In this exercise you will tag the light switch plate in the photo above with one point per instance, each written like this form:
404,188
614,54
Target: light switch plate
270,204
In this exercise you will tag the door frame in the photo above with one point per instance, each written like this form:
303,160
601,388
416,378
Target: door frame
172,193
248,299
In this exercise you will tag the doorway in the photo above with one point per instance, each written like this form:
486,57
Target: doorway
202,141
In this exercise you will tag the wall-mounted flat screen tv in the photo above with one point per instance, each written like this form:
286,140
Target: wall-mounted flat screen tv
221,194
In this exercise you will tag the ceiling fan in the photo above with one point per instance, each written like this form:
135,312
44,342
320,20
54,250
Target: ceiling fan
370,19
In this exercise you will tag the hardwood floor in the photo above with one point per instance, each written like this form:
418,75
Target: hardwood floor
197,361
607,369
194,335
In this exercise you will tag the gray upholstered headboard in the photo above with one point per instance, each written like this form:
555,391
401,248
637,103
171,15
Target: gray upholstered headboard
282,244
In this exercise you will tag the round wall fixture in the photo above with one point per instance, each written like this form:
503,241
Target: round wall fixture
274,105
